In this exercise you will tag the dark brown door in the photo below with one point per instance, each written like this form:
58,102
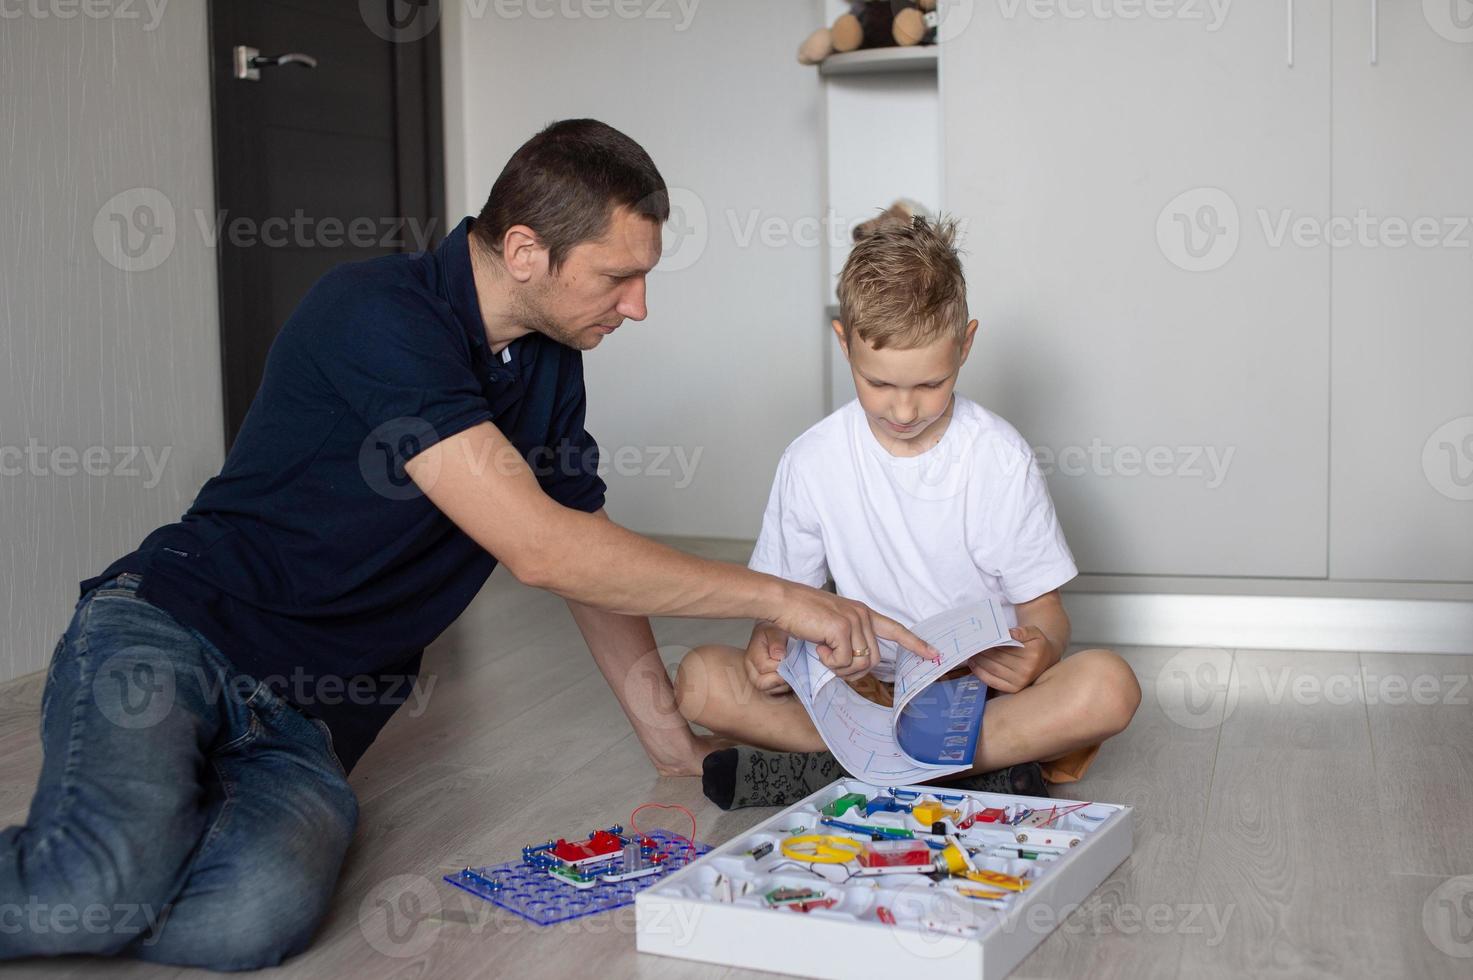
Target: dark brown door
316,166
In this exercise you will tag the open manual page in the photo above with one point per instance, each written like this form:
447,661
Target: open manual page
932,730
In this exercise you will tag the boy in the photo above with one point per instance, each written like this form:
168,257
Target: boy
915,501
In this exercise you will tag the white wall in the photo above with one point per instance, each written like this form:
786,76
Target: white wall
730,361
110,413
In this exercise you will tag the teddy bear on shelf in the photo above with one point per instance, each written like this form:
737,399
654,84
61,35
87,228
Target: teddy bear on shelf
872,24
903,212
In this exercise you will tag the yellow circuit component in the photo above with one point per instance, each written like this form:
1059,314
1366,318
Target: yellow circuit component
933,812
997,880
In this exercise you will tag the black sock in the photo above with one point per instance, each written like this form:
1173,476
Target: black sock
743,776
1024,779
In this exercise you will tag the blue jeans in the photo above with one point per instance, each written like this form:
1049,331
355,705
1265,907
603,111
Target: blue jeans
185,814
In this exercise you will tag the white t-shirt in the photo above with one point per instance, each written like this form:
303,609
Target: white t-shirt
914,536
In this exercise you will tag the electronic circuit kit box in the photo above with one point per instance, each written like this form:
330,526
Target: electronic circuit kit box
860,880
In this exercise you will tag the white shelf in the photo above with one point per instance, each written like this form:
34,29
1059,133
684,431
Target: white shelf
920,58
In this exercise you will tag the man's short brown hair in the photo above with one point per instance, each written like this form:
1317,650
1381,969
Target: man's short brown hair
903,287
565,183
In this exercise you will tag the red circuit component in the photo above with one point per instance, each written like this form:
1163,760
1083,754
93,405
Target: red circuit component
601,846
820,903
990,815
894,854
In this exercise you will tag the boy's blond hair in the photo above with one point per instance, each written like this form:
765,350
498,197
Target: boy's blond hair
902,285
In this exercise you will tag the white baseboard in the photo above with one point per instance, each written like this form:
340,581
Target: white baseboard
1271,622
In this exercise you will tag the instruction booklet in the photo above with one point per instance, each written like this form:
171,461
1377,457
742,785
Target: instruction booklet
932,729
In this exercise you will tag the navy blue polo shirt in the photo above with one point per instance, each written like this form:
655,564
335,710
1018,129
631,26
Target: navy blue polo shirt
312,561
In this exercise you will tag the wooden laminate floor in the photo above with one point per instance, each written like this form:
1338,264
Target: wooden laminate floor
1286,824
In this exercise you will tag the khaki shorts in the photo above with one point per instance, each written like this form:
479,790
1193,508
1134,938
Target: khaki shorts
1066,768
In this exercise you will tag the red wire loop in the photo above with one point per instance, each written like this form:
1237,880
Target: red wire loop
690,841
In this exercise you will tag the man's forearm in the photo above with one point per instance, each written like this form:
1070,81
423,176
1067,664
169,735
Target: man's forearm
624,649
479,480
593,561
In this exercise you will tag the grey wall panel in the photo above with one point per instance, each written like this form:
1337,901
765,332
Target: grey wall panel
693,406
110,412
1401,418
1113,173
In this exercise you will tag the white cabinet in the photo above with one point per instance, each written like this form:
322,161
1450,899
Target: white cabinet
1401,421
1140,321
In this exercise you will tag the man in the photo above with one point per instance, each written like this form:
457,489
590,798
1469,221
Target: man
420,419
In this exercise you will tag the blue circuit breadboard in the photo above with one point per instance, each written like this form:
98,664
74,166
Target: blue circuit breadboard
534,895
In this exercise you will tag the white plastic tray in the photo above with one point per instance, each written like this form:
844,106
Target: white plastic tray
936,934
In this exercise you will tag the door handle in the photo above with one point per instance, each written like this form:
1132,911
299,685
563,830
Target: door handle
1375,31
249,61
1289,33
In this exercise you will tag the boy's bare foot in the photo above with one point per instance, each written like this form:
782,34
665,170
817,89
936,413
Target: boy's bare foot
745,776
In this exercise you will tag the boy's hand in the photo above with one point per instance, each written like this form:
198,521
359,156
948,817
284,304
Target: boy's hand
1010,669
767,648
764,651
